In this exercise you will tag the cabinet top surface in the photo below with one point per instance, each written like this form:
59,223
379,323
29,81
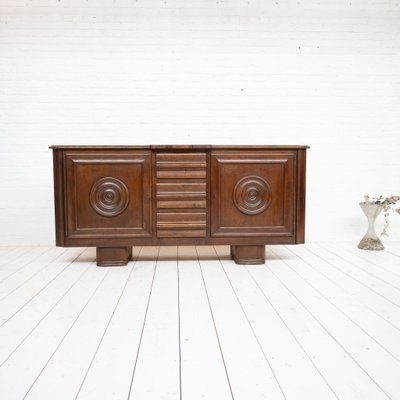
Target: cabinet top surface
179,147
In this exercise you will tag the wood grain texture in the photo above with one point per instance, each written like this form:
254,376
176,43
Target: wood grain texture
301,196
113,256
176,174
116,197
181,184
182,204
178,147
253,193
59,186
248,255
107,195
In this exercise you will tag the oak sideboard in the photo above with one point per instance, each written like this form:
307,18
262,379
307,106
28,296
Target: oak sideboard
116,197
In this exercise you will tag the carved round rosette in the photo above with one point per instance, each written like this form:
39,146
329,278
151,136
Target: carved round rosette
252,195
109,197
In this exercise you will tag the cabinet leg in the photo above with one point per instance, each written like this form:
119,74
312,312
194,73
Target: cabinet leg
113,256
248,255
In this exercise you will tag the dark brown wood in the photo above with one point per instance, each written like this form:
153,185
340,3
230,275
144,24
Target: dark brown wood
253,193
184,174
178,147
59,197
301,196
107,195
181,185
113,256
182,241
114,197
248,255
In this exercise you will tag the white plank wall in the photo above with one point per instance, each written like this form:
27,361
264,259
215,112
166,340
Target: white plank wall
317,321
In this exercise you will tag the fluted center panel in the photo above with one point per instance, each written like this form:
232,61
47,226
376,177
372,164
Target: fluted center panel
181,189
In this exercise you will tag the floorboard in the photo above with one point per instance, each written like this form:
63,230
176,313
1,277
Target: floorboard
10,264
372,324
248,367
14,254
202,366
157,371
317,321
294,368
41,284
66,368
368,296
17,329
371,268
112,367
383,259
360,346
364,276
21,276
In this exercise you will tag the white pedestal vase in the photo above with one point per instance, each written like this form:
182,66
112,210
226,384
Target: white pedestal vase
371,241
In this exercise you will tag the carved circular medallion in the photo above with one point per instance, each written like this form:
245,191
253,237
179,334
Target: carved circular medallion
252,195
109,197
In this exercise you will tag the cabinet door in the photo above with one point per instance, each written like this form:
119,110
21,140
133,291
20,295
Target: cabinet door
108,194
252,193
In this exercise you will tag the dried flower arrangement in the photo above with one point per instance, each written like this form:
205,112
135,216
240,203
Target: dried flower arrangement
388,204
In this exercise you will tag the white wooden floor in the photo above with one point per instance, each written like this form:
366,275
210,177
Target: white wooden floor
319,321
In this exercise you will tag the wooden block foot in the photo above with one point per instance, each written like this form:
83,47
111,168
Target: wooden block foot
113,256
248,255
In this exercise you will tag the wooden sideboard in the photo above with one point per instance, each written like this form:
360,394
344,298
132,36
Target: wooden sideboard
116,197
